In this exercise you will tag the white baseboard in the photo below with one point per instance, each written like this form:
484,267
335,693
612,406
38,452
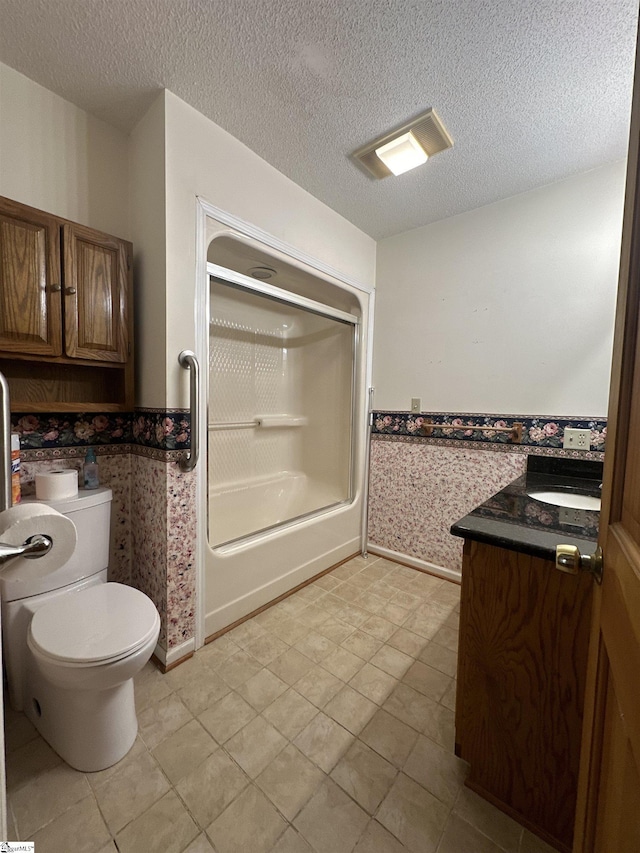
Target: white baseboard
414,562
175,654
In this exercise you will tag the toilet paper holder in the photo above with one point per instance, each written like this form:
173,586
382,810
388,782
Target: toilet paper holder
33,547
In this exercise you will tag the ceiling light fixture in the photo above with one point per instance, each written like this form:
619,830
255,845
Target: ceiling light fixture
402,154
422,137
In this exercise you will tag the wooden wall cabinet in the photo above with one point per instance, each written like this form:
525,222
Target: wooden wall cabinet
65,314
524,632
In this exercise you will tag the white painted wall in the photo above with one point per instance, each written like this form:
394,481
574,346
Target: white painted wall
58,158
506,309
204,160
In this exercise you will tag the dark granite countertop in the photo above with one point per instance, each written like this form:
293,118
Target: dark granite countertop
514,520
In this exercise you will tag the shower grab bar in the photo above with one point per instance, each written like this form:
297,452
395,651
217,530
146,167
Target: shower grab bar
188,360
5,448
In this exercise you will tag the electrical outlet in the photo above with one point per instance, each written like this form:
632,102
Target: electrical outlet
416,404
577,439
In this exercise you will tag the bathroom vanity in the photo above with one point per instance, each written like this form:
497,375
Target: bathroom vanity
524,632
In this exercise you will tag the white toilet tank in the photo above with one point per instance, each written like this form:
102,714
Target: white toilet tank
90,511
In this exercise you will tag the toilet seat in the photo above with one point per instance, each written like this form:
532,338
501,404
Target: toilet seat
96,625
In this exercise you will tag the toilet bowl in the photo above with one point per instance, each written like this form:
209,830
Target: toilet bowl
74,642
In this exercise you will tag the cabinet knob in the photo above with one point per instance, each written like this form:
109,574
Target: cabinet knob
55,288
69,291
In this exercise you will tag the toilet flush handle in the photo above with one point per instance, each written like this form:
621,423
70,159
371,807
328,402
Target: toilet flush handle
33,547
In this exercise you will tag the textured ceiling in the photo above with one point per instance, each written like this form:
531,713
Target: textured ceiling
531,90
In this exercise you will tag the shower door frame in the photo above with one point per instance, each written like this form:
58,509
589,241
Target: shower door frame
287,298
238,228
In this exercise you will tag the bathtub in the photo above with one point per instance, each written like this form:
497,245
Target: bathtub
237,510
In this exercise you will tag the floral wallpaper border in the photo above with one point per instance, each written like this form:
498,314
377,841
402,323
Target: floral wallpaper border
537,431
158,429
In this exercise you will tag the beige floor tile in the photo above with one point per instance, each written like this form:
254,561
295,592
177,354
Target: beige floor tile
110,847
290,606
327,582
290,713
448,593
335,629
372,602
266,648
352,614
390,737
238,668
179,753
203,692
187,672
218,650
408,600
384,590
250,823
291,666
100,777
227,717
436,769
324,741
290,780
407,642
262,689
426,584
376,839
427,680
82,825
448,698
315,646
460,835
439,657
28,761
127,793
426,621
394,612
530,843
201,844
342,663
149,687
291,842
331,822
447,637
413,815
349,592
496,825
361,644
309,593
245,633
364,775
45,797
211,787
439,725
347,570
166,826
313,616
453,620
255,746
392,661
290,630
351,709
411,707
373,683
380,628
158,721
318,686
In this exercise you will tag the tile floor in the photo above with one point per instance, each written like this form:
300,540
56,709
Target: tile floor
323,724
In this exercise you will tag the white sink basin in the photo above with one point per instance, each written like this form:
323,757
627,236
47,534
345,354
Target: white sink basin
568,499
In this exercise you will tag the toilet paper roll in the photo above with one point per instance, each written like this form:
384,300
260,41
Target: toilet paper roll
26,519
57,485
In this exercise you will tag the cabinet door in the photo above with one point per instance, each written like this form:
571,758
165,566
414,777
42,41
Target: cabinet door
30,320
95,295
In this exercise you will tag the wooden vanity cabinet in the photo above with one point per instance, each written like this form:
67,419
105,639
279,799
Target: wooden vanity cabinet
65,314
524,632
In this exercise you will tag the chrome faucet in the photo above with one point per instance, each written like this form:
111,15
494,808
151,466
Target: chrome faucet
35,546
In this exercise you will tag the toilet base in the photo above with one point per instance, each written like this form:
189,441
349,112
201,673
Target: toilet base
89,729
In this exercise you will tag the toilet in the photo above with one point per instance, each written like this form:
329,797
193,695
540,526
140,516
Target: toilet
73,642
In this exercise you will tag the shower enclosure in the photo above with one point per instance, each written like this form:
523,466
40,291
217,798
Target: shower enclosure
280,407
285,428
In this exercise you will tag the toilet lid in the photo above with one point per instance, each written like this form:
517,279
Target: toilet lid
97,623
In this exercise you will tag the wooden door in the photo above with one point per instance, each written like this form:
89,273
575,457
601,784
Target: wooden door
95,295
608,811
30,312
